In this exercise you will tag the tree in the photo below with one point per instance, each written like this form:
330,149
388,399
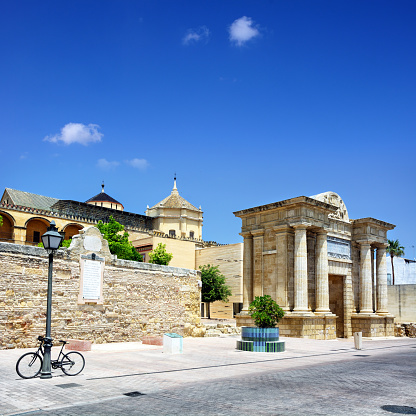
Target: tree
213,285
265,311
395,250
118,243
160,256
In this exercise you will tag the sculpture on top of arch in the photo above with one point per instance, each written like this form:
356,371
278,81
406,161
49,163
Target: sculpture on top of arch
333,198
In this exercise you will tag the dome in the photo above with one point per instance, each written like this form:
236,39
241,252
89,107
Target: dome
174,200
104,200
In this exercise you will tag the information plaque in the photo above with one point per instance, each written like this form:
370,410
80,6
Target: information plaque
91,284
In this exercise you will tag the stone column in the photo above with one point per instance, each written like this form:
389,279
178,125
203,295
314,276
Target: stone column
247,270
322,287
373,281
366,300
301,270
19,234
381,268
282,267
257,263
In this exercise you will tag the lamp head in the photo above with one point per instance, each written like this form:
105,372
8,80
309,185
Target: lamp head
52,239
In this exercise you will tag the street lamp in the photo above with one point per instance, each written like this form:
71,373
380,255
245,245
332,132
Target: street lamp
51,241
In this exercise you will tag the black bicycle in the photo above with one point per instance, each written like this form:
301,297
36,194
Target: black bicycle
29,365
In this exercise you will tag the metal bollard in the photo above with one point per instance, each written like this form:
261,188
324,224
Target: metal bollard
358,340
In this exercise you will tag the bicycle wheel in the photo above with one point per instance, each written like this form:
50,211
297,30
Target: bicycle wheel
29,365
72,363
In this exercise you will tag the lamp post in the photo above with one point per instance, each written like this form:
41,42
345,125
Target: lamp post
51,241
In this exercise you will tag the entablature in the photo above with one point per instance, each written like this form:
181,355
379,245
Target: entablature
371,230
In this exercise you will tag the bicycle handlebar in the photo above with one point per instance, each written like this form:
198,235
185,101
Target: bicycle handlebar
41,338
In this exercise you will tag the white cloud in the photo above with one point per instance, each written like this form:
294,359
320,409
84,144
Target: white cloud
77,133
106,165
202,33
141,164
242,30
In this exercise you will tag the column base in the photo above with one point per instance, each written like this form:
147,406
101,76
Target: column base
366,312
298,325
323,312
308,326
303,312
373,325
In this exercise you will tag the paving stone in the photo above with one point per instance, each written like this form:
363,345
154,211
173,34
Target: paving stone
212,378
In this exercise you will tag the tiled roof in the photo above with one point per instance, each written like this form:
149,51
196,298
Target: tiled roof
174,200
103,197
27,199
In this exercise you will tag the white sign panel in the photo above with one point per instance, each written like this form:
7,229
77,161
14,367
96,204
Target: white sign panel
339,248
91,285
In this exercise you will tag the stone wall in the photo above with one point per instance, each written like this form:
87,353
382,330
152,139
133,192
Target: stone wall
312,327
402,302
138,299
373,326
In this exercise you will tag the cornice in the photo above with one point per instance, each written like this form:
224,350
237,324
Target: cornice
300,200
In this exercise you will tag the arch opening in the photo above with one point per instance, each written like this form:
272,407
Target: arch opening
7,229
71,230
35,228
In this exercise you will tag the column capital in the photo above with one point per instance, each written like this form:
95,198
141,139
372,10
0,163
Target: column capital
322,231
257,233
300,225
281,228
381,246
246,234
364,243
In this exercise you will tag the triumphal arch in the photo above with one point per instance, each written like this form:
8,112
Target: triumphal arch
327,271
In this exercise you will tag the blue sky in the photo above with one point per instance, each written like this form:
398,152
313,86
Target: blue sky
249,102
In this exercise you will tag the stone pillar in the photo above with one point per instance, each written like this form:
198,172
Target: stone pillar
366,298
301,270
257,263
282,267
322,287
247,270
381,268
373,280
19,234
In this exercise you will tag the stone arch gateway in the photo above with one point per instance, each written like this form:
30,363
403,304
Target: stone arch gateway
327,271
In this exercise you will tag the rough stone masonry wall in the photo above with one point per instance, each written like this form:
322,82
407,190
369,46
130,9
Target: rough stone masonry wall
139,299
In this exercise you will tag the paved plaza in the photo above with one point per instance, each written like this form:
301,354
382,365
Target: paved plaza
212,378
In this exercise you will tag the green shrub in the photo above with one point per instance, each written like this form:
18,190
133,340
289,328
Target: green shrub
265,311
160,256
